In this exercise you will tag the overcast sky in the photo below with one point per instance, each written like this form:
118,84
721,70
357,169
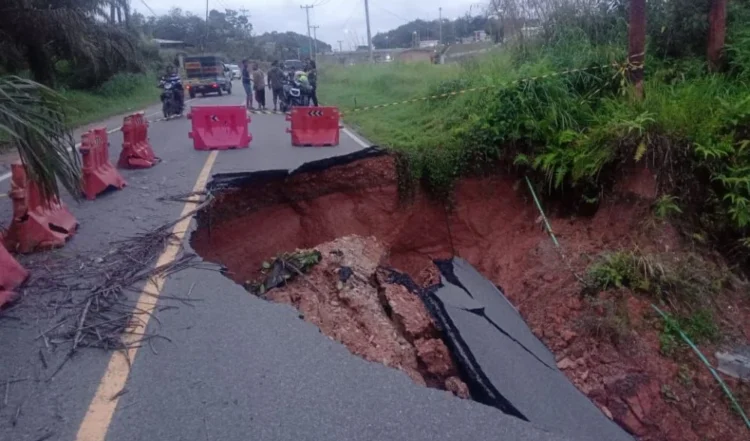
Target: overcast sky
338,19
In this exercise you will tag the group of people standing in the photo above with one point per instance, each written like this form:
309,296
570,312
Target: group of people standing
254,83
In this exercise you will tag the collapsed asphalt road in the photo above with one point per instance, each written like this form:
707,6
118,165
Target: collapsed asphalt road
235,367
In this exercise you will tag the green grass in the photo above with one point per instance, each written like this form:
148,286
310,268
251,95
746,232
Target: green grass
399,126
687,280
570,133
122,93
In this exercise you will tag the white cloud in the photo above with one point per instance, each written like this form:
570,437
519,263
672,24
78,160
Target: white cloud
338,19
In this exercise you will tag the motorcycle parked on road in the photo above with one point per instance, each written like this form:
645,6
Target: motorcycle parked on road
171,97
295,94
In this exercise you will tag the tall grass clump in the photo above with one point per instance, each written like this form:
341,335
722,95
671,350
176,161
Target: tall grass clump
121,93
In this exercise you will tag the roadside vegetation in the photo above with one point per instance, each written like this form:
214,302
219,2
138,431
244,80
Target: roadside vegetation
573,133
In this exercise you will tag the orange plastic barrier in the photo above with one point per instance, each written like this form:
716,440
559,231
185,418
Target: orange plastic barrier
98,173
219,127
12,274
314,126
37,223
136,150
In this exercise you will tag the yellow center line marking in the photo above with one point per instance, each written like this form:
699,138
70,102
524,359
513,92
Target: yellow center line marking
102,408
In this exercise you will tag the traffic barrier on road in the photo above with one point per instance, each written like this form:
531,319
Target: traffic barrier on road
12,274
98,173
37,223
136,150
219,127
314,126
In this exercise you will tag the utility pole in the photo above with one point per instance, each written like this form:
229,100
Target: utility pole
309,37
341,48
205,41
440,27
315,42
369,35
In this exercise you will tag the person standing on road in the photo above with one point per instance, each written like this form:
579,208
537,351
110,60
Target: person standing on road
276,82
247,85
259,84
312,76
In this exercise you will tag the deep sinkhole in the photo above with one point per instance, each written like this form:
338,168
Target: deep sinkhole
349,210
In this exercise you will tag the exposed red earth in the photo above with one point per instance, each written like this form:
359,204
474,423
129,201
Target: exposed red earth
495,226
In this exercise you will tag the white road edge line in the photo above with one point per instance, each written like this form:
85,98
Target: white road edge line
6,176
356,138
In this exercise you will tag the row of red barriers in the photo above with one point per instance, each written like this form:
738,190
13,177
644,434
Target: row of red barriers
43,223
226,127
46,223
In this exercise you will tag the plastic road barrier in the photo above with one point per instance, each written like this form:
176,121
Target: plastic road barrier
314,126
98,173
37,223
219,127
136,150
12,274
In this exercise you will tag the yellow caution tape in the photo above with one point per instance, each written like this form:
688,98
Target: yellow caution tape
265,112
621,69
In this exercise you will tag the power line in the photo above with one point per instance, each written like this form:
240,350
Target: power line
223,5
424,27
148,7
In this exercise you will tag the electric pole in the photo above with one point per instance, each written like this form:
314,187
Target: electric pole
309,37
440,27
341,48
369,35
315,42
205,41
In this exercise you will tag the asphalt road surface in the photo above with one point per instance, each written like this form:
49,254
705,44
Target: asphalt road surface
236,368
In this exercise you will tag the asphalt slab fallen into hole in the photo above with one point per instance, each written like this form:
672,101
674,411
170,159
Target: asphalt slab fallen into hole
500,354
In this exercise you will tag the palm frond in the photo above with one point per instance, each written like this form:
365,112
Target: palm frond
32,119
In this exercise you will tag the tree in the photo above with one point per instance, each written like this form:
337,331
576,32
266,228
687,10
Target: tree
717,30
428,30
288,45
228,32
38,34
637,45
32,120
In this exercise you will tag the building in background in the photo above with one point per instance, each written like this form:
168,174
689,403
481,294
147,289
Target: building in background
416,55
428,43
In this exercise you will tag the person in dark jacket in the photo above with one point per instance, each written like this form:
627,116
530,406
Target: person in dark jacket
276,82
312,76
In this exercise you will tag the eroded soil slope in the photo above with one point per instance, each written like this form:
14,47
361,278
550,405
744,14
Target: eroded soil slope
495,226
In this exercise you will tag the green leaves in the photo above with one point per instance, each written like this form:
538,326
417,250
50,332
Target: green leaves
33,120
666,206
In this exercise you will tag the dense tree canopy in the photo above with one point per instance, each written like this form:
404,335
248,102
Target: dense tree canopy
288,45
88,38
402,36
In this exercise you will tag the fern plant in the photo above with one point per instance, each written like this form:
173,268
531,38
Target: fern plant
666,206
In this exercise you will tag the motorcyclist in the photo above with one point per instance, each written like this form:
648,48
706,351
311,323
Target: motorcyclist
174,79
300,78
